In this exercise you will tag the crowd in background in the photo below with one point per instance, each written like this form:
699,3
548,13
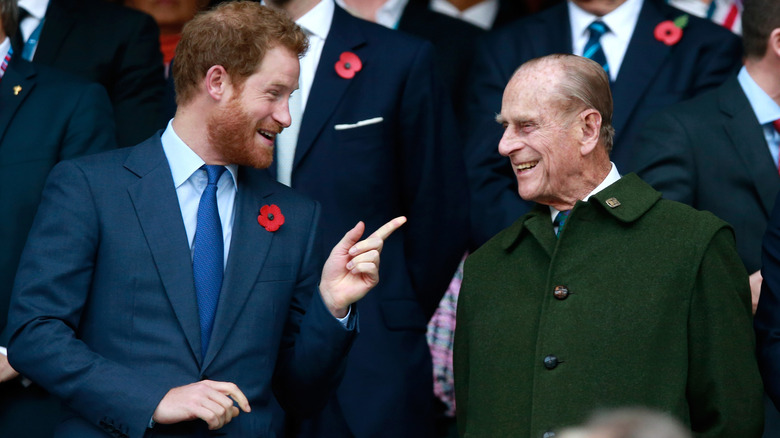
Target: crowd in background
428,86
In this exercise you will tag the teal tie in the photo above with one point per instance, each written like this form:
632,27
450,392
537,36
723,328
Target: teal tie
560,220
593,49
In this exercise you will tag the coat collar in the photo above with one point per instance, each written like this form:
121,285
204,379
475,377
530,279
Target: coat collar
626,201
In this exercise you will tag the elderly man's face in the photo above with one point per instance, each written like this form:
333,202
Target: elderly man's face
244,128
539,139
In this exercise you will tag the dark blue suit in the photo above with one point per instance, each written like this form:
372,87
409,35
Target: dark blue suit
105,315
651,77
408,164
52,117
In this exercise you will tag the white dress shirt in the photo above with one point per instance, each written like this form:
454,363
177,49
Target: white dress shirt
612,176
483,14
37,10
621,23
765,108
388,15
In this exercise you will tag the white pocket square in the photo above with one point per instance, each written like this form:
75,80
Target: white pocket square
358,124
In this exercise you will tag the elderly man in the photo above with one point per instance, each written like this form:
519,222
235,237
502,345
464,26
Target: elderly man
638,301
162,283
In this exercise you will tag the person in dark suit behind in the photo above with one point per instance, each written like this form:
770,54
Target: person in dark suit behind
646,75
45,117
761,33
106,43
604,295
119,306
389,126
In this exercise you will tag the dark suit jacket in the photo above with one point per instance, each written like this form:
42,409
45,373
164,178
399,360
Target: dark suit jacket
115,46
52,118
454,41
651,77
408,164
710,153
767,319
104,311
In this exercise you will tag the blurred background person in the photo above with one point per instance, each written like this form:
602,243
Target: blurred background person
170,15
45,117
105,43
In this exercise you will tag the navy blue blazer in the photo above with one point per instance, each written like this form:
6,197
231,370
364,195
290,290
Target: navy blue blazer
115,46
710,153
104,311
409,164
651,77
767,319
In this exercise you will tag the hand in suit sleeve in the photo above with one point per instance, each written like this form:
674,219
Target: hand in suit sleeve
724,386
139,89
767,320
664,158
495,203
50,294
434,189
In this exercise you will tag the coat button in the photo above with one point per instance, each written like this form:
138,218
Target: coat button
560,292
550,362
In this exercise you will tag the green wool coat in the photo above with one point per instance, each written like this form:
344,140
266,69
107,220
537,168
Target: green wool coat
656,313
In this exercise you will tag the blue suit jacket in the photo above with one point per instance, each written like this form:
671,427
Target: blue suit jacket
408,164
105,315
651,77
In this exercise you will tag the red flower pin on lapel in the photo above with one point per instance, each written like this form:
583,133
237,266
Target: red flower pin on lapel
348,64
669,32
270,217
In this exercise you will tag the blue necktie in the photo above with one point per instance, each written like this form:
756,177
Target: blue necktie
560,221
593,48
208,256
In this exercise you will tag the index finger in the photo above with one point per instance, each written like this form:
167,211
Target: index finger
387,229
231,390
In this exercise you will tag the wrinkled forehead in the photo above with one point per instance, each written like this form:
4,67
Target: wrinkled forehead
532,88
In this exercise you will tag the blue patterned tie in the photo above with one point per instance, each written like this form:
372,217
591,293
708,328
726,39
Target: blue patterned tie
208,256
560,221
593,48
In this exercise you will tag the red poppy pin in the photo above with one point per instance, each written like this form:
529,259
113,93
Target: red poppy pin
348,65
270,217
669,32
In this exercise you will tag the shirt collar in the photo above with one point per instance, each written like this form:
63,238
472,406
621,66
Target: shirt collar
482,14
766,109
612,176
621,21
4,47
389,14
36,8
317,21
182,160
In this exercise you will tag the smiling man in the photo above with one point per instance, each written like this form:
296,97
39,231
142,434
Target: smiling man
155,290
604,295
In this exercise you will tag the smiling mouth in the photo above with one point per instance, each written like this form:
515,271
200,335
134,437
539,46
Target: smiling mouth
267,134
522,167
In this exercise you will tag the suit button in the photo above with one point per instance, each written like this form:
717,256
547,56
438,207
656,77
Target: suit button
549,434
560,292
550,362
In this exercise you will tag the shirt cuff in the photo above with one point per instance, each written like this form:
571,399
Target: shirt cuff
344,321
4,351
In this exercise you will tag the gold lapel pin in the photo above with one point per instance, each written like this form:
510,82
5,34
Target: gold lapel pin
17,89
612,202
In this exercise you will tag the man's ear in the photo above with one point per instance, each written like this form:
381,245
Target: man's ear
591,128
218,84
773,44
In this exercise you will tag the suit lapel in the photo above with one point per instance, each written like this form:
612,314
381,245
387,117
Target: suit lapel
248,251
748,139
157,207
60,18
19,73
552,38
328,87
644,57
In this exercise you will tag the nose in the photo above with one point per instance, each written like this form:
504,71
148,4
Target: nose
282,113
508,142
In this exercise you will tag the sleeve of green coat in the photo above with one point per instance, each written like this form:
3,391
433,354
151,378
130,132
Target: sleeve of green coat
724,385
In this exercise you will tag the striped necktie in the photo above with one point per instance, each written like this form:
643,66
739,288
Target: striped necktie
560,221
593,49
